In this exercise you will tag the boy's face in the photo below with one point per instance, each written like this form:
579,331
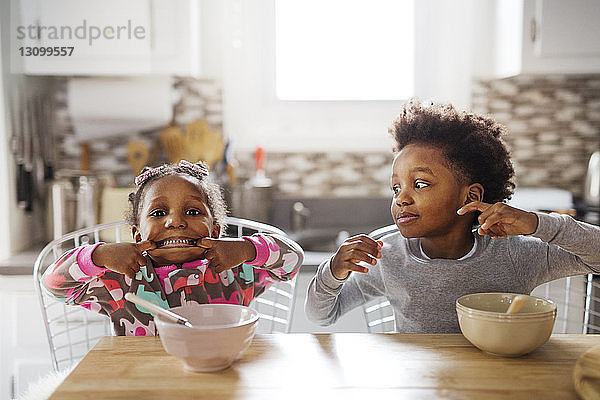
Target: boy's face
174,215
426,193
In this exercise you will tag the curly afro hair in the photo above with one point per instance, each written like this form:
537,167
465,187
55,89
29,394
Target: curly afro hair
471,143
214,196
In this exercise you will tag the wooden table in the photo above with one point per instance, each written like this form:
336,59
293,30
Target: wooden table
331,366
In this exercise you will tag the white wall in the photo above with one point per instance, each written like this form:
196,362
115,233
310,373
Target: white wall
454,44
19,229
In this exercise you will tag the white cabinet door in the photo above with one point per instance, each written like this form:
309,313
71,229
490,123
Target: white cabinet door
561,36
109,37
176,37
23,346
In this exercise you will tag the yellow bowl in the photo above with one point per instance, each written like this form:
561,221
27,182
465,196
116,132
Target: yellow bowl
483,321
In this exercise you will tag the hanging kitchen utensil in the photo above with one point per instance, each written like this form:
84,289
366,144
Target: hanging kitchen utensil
138,154
38,148
27,177
194,139
84,157
17,143
171,139
203,144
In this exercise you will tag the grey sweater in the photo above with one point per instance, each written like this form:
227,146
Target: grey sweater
423,292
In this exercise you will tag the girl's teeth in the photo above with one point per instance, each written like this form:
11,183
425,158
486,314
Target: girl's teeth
167,242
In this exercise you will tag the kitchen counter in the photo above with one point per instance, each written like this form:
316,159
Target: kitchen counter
20,263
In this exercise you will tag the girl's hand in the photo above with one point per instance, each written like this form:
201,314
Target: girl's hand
124,258
500,220
354,250
226,253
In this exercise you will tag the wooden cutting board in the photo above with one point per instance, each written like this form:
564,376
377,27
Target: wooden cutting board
586,374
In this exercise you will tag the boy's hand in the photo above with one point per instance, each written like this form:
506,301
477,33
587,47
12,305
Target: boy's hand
354,250
124,258
226,253
500,220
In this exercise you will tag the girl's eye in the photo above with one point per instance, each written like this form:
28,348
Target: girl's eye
420,185
395,189
157,213
194,212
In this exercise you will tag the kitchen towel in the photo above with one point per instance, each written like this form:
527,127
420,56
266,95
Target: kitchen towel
105,107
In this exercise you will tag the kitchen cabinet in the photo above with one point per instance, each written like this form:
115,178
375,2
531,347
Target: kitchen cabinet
112,37
546,37
23,346
561,36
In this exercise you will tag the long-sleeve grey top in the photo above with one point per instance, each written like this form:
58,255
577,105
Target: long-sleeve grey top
423,291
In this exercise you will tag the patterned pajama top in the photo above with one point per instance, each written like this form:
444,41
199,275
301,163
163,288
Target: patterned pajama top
74,279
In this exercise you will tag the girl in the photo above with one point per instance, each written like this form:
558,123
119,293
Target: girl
178,257
451,171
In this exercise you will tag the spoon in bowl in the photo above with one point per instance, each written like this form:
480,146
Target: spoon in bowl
516,304
158,310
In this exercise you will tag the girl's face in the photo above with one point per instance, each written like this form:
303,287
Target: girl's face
174,214
426,193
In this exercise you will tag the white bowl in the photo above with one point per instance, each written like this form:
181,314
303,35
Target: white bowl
220,334
483,321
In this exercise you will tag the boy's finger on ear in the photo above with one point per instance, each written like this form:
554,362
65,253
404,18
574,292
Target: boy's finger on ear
491,220
473,206
145,246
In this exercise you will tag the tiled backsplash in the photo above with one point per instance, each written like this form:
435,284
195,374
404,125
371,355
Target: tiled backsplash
553,123
325,174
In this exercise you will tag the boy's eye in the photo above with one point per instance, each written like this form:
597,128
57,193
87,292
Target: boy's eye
157,213
420,184
194,211
395,189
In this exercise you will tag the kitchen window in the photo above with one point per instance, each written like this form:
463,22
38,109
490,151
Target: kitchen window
344,49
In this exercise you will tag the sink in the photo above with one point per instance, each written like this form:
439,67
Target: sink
324,239
321,240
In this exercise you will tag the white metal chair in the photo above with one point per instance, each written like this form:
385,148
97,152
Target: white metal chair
577,300
72,330
379,313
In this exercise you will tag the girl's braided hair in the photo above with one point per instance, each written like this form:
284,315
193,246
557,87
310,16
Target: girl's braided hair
472,144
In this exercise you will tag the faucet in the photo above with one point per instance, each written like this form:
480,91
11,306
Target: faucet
299,216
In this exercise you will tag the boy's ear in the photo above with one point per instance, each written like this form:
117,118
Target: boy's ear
135,234
474,193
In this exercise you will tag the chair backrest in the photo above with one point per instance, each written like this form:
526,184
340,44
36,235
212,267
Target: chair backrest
72,330
577,300
378,313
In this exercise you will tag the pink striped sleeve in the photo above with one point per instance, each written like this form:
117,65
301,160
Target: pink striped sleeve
262,250
84,260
